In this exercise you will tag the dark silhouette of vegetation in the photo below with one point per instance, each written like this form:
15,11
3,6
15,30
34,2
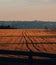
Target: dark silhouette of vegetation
46,27
28,24
6,27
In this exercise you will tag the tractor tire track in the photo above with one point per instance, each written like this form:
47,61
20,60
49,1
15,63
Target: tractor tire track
26,41
35,43
32,41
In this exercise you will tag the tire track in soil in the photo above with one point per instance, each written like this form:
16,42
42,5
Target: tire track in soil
39,46
21,43
43,46
24,35
34,42
28,38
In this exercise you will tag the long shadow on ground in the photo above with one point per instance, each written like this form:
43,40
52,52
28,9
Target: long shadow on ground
29,61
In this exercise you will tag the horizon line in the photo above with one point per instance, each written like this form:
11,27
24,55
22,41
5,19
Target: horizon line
27,20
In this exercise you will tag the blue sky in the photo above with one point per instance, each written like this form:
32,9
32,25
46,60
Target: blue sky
28,10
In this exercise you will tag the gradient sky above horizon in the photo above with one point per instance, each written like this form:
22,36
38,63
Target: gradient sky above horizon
28,10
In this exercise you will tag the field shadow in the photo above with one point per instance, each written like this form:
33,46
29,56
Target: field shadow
30,60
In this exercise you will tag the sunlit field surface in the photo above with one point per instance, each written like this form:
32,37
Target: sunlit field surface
31,40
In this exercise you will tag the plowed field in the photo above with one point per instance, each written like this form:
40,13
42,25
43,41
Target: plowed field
34,40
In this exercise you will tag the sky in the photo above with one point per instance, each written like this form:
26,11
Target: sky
15,10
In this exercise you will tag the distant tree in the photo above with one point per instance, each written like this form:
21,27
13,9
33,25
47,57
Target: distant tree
8,26
46,27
